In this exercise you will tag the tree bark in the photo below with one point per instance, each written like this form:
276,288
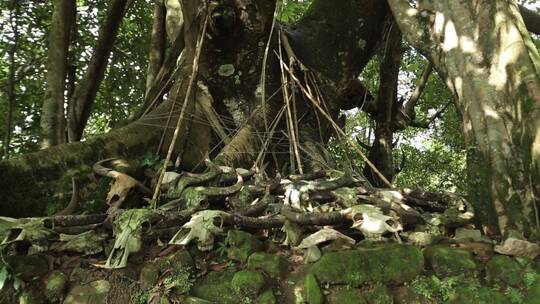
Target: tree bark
53,122
157,44
487,58
380,153
11,95
80,106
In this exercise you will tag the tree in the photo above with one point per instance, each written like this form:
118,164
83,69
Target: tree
218,104
486,56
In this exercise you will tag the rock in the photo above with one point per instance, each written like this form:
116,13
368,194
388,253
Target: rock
505,271
312,254
148,276
242,245
55,285
395,263
273,265
470,235
482,295
266,297
423,238
447,261
247,283
28,268
379,295
180,259
406,295
312,290
515,246
31,296
346,296
93,293
216,287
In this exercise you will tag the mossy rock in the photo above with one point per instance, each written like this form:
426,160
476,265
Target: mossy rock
379,295
503,270
242,245
28,268
94,293
346,296
312,290
273,265
149,276
266,297
482,295
447,261
406,295
216,287
395,264
55,285
248,283
31,296
533,294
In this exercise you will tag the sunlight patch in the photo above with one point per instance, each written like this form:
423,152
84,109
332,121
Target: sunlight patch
450,37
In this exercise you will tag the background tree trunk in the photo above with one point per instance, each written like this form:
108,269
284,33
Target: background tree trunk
380,153
53,122
80,107
485,55
11,95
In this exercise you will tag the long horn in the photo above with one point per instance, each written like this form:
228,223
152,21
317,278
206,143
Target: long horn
100,169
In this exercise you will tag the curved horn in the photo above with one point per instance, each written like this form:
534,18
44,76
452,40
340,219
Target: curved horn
100,169
225,191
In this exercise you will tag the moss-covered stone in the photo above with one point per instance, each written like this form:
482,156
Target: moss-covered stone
312,290
379,295
94,293
266,297
346,296
396,263
55,285
247,283
242,245
28,268
503,270
482,295
273,265
406,295
216,287
446,261
31,296
148,276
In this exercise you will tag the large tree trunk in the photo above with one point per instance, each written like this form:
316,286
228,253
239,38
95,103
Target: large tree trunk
237,43
53,122
80,107
484,53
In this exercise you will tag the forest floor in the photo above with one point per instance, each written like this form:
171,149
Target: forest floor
235,236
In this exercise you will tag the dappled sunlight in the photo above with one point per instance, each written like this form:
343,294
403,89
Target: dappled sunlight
490,112
511,45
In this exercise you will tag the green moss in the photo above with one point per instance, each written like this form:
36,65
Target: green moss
346,296
503,270
313,290
55,284
446,261
216,287
273,265
533,294
388,264
247,283
266,297
481,295
242,245
379,295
